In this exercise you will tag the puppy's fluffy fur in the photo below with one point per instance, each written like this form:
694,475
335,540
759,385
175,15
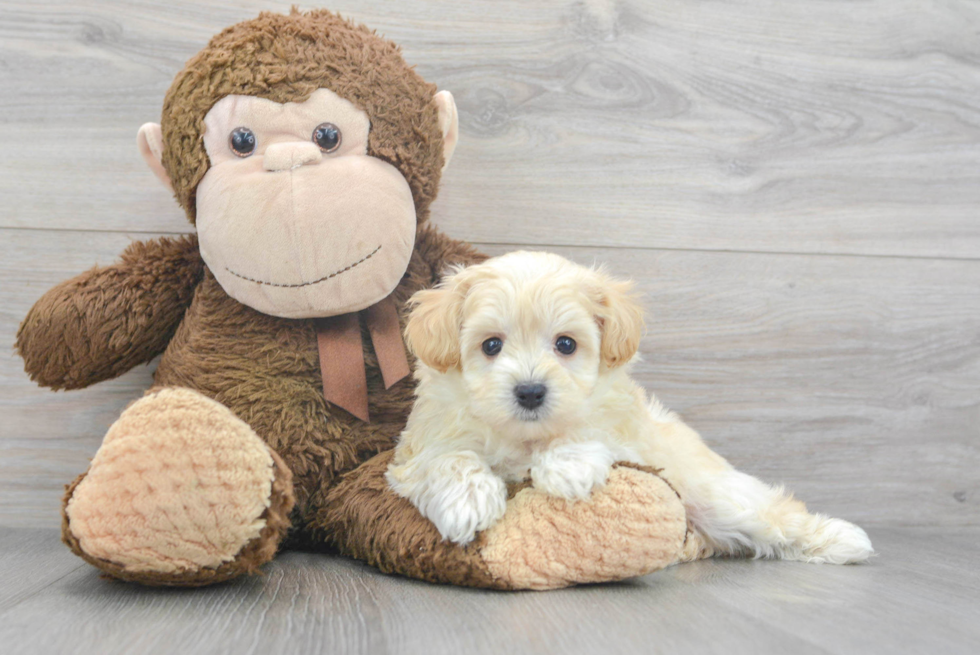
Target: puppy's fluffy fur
469,432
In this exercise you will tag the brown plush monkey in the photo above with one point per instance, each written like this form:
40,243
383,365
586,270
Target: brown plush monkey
307,153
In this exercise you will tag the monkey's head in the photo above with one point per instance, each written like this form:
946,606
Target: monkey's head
307,153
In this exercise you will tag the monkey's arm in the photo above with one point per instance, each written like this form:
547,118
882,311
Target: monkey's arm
100,324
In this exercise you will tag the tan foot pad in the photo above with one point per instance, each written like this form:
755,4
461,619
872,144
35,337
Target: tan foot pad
179,484
634,525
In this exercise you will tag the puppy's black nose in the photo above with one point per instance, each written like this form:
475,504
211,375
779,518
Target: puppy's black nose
530,396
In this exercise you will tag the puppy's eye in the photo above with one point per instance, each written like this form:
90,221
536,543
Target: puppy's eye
327,136
242,141
565,345
492,346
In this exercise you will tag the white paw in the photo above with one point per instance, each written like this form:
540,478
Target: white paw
572,470
461,509
838,542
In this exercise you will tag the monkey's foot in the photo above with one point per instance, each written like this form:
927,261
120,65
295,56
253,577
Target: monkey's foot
181,492
632,526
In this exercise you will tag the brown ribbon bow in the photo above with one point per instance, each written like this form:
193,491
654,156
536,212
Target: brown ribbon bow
342,355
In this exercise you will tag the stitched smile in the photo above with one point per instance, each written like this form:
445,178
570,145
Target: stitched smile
306,284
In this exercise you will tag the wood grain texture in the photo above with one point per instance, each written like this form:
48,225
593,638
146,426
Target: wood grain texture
651,136
794,186
919,595
821,126
31,560
852,379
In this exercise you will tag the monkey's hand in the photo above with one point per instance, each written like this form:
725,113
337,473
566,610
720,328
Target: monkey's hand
100,324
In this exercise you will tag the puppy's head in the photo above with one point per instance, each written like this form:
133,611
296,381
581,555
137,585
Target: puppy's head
531,333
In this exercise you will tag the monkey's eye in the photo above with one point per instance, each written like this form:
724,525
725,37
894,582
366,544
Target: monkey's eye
565,345
327,136
242,141
492,346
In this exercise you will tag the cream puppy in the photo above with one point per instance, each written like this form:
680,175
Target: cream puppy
524,372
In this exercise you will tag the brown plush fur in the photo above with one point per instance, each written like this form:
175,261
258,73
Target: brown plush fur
369,521
267,371
285,58
106,321
161,298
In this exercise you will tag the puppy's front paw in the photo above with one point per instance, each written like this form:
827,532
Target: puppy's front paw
464,508
572,470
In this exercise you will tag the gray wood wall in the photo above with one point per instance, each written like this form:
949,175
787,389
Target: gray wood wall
794,185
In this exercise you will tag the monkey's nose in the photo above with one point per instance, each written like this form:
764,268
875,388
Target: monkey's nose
530,396
287,156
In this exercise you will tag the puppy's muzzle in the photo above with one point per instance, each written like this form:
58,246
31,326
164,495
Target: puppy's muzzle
530,396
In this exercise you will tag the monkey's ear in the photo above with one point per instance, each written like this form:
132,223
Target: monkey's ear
150,142
448,123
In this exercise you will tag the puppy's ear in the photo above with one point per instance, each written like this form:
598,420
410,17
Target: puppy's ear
432,332
620,318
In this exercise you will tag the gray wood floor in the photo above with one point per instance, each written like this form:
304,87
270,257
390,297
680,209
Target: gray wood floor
918,596
795,187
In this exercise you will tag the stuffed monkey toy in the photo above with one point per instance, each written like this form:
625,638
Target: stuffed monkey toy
306,153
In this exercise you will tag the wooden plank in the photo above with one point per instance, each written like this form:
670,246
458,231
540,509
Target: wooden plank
678,125
923,606
854,380
905,601
32,560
